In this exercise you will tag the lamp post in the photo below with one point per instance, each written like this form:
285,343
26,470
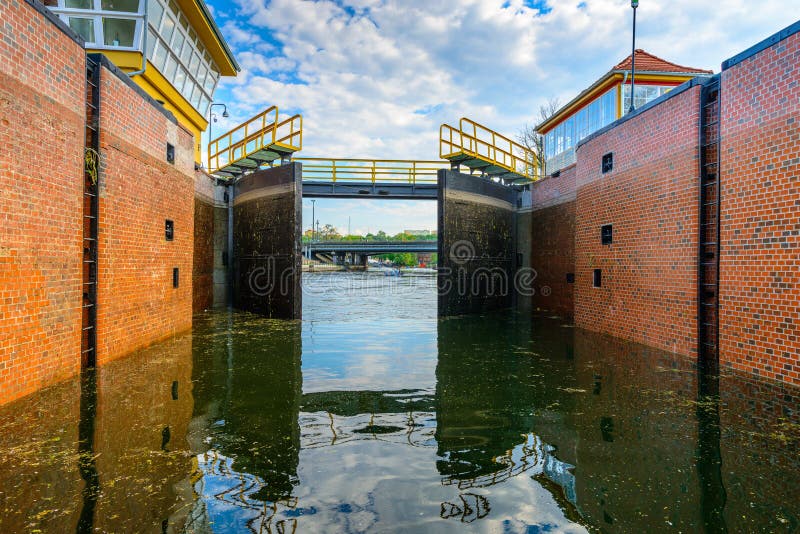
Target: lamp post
634,5
313,218
212,118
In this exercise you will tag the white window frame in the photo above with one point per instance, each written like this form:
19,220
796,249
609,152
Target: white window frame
97,15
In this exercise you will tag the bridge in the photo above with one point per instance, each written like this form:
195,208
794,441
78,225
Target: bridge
266,139
359,251
370,178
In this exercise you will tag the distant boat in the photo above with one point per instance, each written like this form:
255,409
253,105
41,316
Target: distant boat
391,272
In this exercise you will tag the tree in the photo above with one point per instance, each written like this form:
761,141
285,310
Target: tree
329,233
533,142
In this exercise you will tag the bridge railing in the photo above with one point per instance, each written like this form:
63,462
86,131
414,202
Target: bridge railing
371,170
263,131
474,140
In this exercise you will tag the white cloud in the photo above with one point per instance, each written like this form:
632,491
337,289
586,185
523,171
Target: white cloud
376,78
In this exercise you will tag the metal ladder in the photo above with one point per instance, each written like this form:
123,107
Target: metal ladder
90,213
709,242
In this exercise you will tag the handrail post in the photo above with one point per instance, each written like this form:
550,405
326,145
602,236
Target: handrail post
333,166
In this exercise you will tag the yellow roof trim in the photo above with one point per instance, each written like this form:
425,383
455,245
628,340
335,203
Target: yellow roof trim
208,32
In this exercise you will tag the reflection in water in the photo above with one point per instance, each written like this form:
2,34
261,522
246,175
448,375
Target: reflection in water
372,414
246,421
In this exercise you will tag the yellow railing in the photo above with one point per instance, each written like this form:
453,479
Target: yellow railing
370,170
259,133
479,142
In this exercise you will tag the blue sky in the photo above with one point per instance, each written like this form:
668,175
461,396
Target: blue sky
376,78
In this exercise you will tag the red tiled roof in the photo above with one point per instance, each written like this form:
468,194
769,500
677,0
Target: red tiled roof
647,62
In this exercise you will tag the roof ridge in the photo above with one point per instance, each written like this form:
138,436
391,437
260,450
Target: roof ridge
655,63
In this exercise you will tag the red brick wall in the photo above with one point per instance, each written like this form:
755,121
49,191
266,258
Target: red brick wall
203,261
139,191
553,242
649,273
760,214
41,193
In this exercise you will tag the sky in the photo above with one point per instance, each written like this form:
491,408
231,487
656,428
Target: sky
376,78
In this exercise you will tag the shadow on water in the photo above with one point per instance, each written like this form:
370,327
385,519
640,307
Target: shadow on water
709,452
86,454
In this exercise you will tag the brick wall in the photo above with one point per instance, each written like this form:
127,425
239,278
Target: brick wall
553,242
649,272
760,213
203,261
41,193
140,190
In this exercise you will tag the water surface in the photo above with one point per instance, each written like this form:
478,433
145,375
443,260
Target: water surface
373,415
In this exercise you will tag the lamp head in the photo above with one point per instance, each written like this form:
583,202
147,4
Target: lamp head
225,114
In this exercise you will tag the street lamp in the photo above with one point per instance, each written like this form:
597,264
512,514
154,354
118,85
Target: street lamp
634,5
212,117
313,218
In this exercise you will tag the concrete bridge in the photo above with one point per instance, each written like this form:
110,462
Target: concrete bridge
368,248
358,252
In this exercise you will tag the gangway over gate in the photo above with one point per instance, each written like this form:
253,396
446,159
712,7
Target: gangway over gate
258,141
482,149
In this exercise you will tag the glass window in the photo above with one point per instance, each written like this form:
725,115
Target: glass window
172,65
130,6
167,28
196,95
569,128
201,74
187,89
118,32
186,54
180,78
79,4
174,7
83,27
211,82
194,64
203,105
154,12
151,44
581,124
177,43
160,56
609,108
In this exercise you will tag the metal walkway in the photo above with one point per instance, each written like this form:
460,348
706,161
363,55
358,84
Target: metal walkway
370,178
256,142
481,149
265,138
